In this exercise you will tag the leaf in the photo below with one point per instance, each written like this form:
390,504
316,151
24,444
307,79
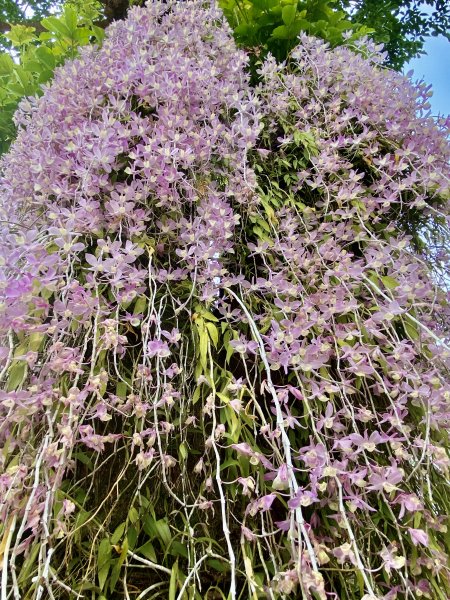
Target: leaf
132,536
196,395
104,561
281,33
70,19
29,564
118,533
224,397
149,526
417,519
163,531
182,451
179,549
411,329
35,342
288,33
389,282
121,389
203,343
99,33
438,589
148,551
213,333
20,35
228,347
5,537
218,565
57,26
16,375
173,581
6,64
46,57
208,316
288,14
83,458
115,573
133,515
22,76
140,305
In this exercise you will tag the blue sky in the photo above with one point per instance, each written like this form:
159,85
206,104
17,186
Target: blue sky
434,68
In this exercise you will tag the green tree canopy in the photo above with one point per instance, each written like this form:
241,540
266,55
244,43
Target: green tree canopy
401,26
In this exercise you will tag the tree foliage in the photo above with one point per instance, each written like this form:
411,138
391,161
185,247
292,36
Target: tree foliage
264,25
37,56
13,11
224,357
401,26
274,25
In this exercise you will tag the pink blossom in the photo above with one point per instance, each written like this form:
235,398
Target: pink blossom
418,536
158,348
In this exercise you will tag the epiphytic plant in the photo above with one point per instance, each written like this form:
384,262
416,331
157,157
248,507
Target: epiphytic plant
225,357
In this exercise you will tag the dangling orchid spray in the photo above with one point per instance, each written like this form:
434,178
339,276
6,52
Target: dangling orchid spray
225,320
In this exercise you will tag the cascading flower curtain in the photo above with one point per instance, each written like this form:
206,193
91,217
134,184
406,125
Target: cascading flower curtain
225,347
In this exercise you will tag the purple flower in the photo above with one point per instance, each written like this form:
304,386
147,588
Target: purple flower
418,536
408,502
386,478
158,348
244,346
265,502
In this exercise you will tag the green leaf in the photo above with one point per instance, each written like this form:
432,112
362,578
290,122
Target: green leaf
207,315
22,76
118,533
121,389
196,395
35,342
213,333
203,343
133,515
261,4
83,458
437,589
389,282
163,531
148,551
289,33
20,35
17,374
228,347
46,57
179,549
417,519
218,565
182,451
104,561
173,581
6,64
412,331
132,536
57,26
140,305
70,19
99,33
115,573
288,14
281,33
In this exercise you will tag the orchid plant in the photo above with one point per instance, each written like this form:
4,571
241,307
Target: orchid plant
225,324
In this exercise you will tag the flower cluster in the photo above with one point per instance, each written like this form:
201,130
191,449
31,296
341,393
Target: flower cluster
352,321
224,343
